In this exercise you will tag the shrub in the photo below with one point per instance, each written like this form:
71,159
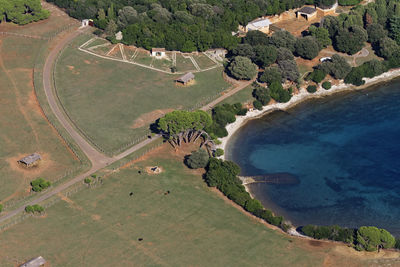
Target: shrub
311,88
1,207
98,32
326,85
40,184
257,105
270,75
29,209
333,232
219,152
252,205
87,180
198,159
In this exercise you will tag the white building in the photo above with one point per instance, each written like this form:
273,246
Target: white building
158,52
85,23
259,25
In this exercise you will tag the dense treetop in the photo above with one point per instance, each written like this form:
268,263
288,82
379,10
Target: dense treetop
184,25
22,11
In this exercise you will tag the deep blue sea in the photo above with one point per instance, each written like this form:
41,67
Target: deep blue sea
344,149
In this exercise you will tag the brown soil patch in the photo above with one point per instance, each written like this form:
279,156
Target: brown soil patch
71,203
149,117
87,62
96,217
72,69
158,170
114,51
31,172
188,84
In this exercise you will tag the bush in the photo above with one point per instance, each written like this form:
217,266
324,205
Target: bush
257,105
219,152
40,184
98,32
311,88
1,207
270,75
326,85
29,209
198,159
87,180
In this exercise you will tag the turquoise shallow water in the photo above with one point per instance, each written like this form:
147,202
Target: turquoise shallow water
345,150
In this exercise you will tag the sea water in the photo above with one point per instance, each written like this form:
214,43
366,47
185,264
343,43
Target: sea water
345,150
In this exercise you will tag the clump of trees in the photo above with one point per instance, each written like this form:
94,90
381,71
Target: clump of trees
22,11
40,184
223,175
223,115
307,47
369,69
34,208
198,159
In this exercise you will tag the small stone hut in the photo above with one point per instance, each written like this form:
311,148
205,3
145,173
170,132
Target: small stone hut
30,160
35,262
307,12
158,52
185,79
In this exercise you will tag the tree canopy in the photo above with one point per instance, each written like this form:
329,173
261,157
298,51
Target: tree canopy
22,11
179,121
242,68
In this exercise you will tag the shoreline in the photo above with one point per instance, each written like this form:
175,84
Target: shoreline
299,98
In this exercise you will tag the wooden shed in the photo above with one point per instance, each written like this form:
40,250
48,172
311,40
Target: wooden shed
307,12
36,262
30,160
185,79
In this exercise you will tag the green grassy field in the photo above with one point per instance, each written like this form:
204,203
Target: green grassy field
243,96
191,226
24,129
184,64
114,102
203,61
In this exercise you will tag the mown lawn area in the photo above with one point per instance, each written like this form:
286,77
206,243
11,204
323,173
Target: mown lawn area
244,96
114,102
190,226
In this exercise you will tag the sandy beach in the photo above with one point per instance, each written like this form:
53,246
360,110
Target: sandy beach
299,98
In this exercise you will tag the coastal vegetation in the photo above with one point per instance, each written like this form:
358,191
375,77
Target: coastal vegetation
367,238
